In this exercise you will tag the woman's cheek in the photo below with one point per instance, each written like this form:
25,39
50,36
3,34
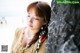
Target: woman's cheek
37,24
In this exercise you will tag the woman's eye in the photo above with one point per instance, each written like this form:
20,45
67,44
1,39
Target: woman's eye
35,18
28,16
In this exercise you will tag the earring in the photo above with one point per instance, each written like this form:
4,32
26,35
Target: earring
42,31
41,28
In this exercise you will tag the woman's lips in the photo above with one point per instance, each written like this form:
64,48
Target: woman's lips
30,25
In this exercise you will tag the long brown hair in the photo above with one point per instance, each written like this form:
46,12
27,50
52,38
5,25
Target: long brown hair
42,10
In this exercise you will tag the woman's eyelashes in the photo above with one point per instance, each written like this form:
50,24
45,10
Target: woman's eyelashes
33,18
28,15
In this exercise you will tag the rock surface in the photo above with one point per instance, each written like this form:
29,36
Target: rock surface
64,28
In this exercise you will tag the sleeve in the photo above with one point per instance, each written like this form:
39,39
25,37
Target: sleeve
16,37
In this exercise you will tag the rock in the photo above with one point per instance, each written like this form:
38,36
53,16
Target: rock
64,28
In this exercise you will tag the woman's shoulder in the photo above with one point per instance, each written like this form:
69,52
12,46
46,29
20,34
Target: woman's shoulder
18,31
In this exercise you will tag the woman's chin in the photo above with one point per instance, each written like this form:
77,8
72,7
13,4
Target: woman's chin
29,27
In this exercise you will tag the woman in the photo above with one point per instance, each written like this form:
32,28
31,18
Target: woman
32,38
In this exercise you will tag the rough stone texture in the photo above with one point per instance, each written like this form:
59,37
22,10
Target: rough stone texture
64,29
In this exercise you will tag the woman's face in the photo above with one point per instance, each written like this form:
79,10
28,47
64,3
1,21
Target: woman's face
34,22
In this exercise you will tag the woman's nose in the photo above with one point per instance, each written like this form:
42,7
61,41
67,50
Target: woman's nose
29,20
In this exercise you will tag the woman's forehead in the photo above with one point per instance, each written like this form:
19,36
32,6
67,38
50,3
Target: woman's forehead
36,12
32,11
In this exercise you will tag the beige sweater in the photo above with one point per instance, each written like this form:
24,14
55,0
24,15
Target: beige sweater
17,44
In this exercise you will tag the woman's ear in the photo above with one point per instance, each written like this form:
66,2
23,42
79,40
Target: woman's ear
44,23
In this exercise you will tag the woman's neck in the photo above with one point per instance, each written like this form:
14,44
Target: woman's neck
30,36
31,32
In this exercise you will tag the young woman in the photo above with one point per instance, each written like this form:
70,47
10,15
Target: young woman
32,38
